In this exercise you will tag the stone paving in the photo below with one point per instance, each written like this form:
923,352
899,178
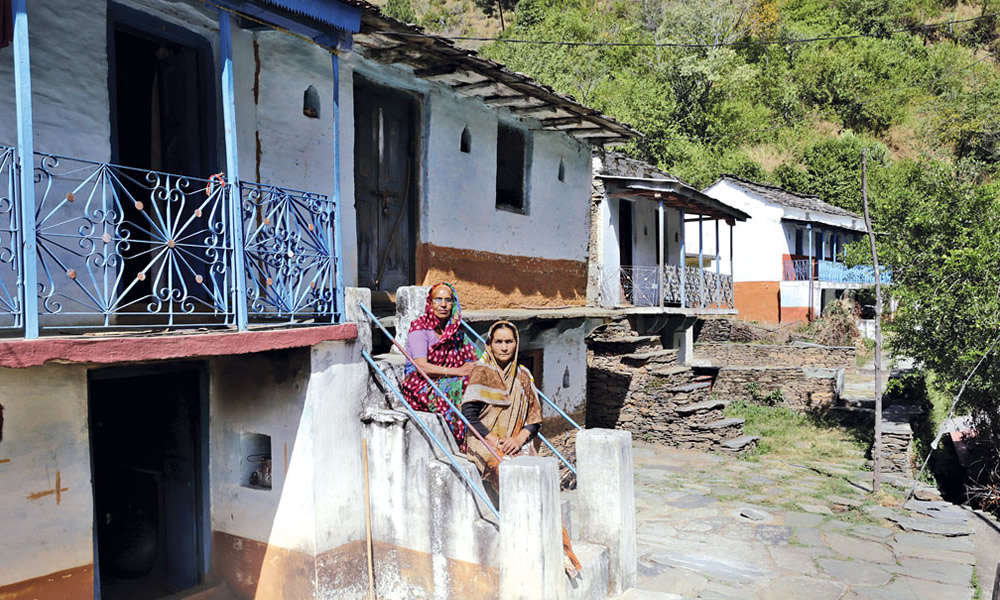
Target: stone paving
716,527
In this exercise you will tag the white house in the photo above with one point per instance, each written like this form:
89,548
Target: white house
234,166
792,244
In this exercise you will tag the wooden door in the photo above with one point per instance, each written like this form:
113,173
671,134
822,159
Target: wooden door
384,165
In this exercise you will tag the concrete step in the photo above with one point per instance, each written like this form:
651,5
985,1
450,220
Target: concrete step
592,581
701,406
720,424
736,445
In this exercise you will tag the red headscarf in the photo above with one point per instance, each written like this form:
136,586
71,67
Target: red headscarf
453,348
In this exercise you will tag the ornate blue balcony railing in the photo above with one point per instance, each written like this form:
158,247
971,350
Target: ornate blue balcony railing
833,272
10,244
123,247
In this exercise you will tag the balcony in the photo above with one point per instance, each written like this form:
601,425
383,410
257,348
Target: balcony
118,247
640,286
832,272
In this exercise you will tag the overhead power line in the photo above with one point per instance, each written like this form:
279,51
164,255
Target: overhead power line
740,43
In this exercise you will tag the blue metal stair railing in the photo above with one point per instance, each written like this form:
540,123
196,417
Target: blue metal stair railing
440,445
548,401
434,386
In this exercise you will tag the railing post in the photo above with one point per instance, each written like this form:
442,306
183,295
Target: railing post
338,254
26,160
606,501
531,562
233,171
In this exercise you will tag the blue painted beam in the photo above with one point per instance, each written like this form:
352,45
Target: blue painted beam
338,243
233,170
26,157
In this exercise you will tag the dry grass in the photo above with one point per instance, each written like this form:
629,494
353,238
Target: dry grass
770,156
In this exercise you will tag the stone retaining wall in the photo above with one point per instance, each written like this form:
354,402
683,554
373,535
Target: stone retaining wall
801,388
657,401
760,355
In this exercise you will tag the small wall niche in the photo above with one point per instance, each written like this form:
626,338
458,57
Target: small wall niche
310,103
465,144
562,170
255,461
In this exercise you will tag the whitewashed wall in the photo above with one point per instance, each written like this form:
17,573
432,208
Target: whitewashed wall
69,62
758,242
45,432
459,208
309,402
645,251
564,351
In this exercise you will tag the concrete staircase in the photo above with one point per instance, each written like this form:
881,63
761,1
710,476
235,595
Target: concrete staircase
633,383
424,515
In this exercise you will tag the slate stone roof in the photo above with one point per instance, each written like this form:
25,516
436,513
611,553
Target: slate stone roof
783,197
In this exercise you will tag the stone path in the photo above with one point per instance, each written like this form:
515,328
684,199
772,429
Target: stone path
720,528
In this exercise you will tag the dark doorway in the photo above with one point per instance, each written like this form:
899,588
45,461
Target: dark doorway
625,233
147,458
384,192
163,107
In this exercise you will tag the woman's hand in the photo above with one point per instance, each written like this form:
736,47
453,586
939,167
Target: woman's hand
511,446
463,371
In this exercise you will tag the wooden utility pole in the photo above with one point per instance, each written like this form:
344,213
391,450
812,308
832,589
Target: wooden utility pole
877,450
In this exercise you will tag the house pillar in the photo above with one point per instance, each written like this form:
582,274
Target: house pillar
662,236
26,159
812,269
338,254
683,267
233,169
718,267
701,264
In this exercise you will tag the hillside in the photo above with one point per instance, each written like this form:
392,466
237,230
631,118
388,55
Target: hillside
750,99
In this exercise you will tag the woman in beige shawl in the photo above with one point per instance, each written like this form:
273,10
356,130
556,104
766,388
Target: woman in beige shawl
501,404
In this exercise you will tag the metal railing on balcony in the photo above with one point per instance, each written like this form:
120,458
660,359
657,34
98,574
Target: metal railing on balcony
630,285
833,272
124,247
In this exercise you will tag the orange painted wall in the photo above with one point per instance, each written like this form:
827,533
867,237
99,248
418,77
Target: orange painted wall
758,301
794,314
71,584
489,280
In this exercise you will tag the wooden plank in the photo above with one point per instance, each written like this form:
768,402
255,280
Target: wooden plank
436,70
506,100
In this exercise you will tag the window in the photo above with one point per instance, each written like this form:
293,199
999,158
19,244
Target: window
465,144
532,360
799,242
310,103
255,460
510,168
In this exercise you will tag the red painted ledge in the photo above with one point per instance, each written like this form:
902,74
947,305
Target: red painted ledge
19,354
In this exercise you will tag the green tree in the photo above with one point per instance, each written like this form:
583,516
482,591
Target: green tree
401,10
